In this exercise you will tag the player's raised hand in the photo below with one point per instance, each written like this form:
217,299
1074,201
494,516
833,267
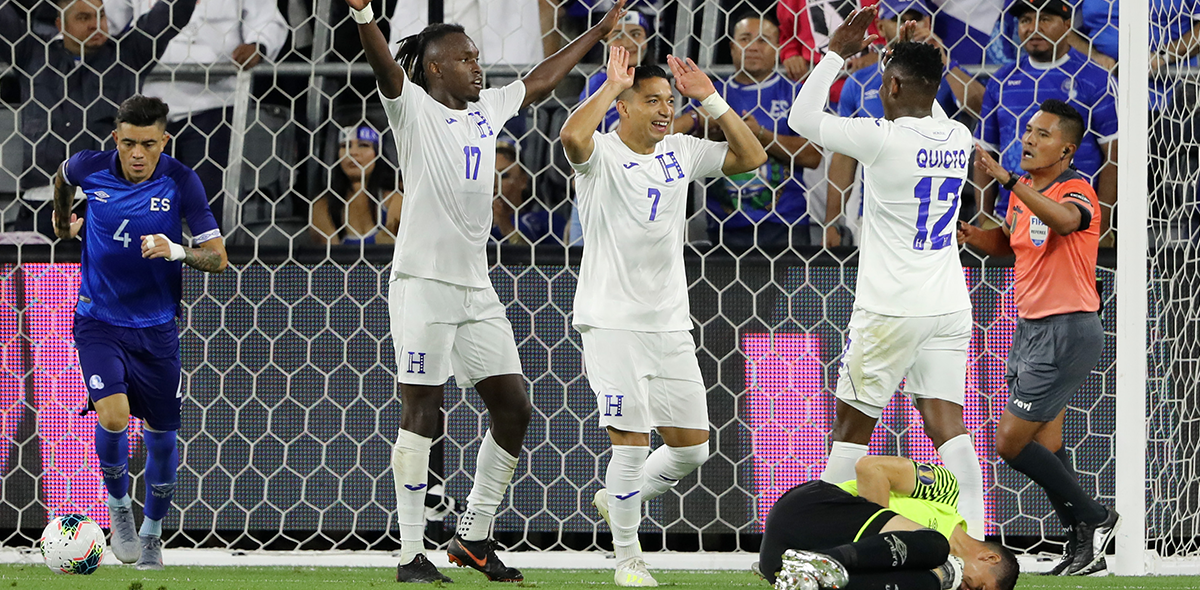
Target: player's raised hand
619,72
68,231
913,31
358,4
610,20
691,82
852,37
988,165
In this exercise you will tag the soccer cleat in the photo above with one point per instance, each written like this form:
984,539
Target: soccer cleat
151,558
826,571
633,572
125,543
481,555
951,573
1093,539
795,580
757,571
420,571
1068,556
600,501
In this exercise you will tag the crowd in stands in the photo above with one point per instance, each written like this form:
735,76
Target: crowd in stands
74,61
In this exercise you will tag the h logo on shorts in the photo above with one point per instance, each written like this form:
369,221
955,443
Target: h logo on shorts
416,362
611,404
669,166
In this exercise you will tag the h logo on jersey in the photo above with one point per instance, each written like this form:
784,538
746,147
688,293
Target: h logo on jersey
613,403
481,124
416,362
667,167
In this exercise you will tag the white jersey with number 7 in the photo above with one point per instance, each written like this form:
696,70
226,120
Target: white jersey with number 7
915,169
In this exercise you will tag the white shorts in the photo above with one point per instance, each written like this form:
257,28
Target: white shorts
883,350
644,380
440,330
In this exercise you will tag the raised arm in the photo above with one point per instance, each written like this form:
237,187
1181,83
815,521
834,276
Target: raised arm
1063,218
577,131
388,74
540,82
745,152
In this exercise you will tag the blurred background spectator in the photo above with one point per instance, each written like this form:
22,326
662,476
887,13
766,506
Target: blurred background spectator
364,200
766,207
516,219
220,31
1049,68
805,27
72,85
505,31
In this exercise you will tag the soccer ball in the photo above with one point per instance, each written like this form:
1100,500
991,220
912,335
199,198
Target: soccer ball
72,544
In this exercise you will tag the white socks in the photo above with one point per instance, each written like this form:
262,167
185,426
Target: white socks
960,458
493,472
624,480
667,465
842,457
410,468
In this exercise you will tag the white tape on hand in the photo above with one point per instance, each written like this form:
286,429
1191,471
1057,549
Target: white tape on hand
150,242
714,105
364,16
177,251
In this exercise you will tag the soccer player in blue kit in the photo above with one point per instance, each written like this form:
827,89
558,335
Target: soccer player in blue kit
125,328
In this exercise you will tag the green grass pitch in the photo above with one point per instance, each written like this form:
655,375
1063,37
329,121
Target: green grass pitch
37,577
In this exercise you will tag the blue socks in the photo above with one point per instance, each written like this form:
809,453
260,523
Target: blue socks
112,448
162,460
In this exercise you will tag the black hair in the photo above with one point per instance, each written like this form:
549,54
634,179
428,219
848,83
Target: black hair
1008,569
1069,119
750,13
921,61
381,181
411,54
646,73
143,111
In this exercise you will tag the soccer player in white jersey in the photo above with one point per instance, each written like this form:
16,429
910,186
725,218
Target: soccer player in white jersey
912,314
445,316
631,306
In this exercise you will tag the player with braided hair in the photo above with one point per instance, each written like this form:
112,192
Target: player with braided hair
445,315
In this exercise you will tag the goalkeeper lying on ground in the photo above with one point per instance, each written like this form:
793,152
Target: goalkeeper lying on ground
895,527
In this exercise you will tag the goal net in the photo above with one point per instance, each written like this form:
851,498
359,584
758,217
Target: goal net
290,402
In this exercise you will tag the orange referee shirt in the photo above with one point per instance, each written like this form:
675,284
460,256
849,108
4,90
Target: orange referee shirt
1055,274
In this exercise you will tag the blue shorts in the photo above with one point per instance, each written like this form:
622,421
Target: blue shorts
142,363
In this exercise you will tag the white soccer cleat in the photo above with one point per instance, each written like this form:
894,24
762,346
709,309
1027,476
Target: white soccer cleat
824,570
795,580
633,572
600,501
125,545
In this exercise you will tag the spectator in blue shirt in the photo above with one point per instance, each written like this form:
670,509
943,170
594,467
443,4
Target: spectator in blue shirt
632,33
1049,68
515,220
766,207
860,98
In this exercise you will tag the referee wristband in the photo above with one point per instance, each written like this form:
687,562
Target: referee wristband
364,16
715,106
1012,181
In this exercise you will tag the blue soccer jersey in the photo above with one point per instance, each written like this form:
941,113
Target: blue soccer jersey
1015,93
745,199
120,287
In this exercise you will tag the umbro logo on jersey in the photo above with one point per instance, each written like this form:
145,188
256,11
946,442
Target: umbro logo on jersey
630,165
451,121
102,196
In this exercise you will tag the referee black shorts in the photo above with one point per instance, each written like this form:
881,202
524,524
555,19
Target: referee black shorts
1049,359
814,516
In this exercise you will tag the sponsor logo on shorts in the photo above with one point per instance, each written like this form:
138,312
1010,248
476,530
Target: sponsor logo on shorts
1027,406
612,404
416,363
95,382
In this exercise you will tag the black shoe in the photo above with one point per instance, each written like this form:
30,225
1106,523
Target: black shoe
1100,567
481,555
1093,540
1068,556
421,571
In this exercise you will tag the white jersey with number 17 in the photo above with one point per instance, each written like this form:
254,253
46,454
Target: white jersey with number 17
915,169
448,161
